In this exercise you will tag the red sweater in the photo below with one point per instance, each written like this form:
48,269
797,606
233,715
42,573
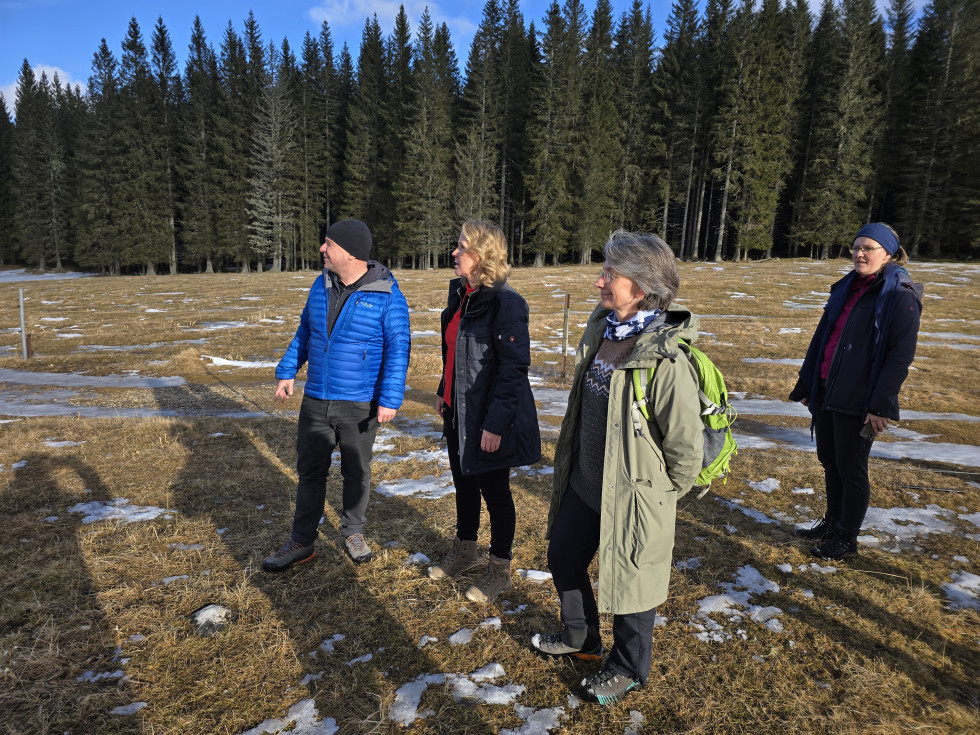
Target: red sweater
858,287
452,332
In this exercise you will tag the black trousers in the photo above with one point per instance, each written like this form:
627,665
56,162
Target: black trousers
574,543
494,487
324,425
843,453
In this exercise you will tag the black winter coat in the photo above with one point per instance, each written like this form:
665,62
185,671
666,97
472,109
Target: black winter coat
865,378
490,384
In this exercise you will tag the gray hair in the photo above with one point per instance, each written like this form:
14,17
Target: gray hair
648,262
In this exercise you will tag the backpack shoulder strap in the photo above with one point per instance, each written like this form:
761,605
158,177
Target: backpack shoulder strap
640,394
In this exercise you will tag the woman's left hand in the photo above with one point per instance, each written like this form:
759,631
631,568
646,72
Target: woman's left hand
490,442
878,423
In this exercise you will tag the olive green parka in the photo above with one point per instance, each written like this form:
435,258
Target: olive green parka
643,474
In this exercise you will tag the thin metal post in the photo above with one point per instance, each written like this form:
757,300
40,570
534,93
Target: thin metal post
23,331
564,337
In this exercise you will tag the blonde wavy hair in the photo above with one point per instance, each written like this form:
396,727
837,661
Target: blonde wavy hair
486,241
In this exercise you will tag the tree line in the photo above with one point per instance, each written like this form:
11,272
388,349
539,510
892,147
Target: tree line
753,129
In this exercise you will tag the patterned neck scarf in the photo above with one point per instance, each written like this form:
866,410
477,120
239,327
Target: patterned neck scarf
617,330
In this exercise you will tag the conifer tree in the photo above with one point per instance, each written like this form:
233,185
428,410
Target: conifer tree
363,197
7,195
165,105
481,126
38,172
680,116
198,165
797,32
640,140
100,164
599,146
423,189
554,132
271,202
233,128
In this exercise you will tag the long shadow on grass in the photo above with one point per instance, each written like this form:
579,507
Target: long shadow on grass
944,684
239,475
53,629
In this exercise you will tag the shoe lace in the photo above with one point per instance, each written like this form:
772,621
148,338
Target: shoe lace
604,676
356,542
287,549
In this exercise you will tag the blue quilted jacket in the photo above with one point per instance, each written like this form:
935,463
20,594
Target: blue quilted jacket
365,356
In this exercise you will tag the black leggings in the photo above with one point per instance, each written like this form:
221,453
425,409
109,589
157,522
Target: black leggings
843,453
494,486
574,542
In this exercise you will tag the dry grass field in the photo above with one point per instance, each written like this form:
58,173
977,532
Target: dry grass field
94,616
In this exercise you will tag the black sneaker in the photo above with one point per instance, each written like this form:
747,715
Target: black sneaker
835,548
552,645
357,548
819,531
608,686
292,553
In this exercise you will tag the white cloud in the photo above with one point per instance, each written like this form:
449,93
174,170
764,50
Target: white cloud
350,15
9,91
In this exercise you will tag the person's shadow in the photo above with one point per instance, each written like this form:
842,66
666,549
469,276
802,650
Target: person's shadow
63,657
238,480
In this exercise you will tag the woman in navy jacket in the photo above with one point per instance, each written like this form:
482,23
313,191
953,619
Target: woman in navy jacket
856,363
485,400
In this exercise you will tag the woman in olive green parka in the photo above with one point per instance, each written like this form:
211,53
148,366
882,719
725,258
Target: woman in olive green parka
617,476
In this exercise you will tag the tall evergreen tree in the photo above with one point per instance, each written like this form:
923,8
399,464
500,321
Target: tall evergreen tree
363,195
554,132
164,105
640,142
7,190
480,128
98,242
198,166
423,189
38,172
599,147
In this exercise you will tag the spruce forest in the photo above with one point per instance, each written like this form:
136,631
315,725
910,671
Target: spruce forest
751,129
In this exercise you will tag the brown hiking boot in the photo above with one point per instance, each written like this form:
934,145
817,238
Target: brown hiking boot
495,579
462,557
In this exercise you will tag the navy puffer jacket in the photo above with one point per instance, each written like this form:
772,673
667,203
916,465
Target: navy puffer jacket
365,357
490,384
876,348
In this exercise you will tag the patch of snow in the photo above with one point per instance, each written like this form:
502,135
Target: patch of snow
963,591
766,486
118,509
534,575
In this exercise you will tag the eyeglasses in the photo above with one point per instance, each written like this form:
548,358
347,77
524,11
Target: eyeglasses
865,249
607,276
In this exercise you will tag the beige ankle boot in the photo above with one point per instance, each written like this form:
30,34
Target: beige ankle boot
495,579
462,557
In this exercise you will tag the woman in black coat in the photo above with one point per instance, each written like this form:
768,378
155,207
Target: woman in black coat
485,400
856,363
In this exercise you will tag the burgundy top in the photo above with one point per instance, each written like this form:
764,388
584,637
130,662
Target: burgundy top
452,332
858,286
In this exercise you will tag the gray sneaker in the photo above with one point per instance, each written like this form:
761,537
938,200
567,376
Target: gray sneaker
462,557
608,686
495,579
292,553
553,645
357,548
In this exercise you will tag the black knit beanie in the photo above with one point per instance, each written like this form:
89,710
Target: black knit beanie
353,236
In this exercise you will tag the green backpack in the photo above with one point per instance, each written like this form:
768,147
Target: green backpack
717,414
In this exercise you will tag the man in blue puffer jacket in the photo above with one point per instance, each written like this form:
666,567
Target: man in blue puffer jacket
355,336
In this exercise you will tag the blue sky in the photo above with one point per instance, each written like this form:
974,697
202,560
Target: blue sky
62,35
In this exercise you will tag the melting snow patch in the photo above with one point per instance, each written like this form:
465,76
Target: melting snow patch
756,515
803,490
688,564
405,709
118,509
534,575
766,486
128,709
637,721
327,645
735,604
429,487
461,637
906,524
418,558
238,363
963,591
304,719
54,443
426,640
361,659
536,721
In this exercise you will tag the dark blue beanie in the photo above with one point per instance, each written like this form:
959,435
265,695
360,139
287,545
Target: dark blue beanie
882,235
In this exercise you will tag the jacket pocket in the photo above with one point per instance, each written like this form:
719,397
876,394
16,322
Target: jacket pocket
653,513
